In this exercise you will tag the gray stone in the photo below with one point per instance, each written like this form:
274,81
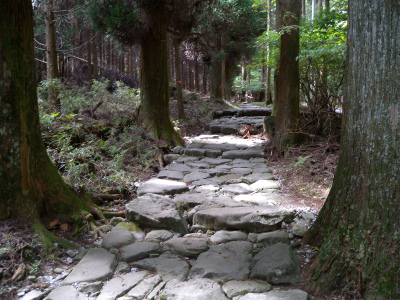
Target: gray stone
236,288
195,152
161,186
277,295
178,167
198,165
175,175
71,253
308,216
98,264
276,264
58,270
65,293
167,265
270,238
226,261
192,200
213,153
267,198
115,220
195,289
262,185
299,228
195,176
259,176
122,268
244,154
177,150
118,237
187,247
222,147
238,188
139,251
250,219
226,178
145,287
224,236
169,158
106,228
156,212
229,129
206,189
158,236
252,237
195,145
215,161
119,285
185,159
156,290
90,287
241,171
33,295
262,169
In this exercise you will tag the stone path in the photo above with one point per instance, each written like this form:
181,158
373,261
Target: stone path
207,228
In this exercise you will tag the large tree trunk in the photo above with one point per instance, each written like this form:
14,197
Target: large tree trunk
288,82
154,78
358,227
30,185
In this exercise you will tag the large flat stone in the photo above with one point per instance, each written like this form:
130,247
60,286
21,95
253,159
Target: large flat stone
270,238
187,247
120,285
192,200
267,198
163,187
97,264
156,212
236,288
118,236
167,265
250,219
237,188
224,236
139,250
195,176
215,161
175,175
195,289
145,287
276,264
225,261
178,167
262,185
243,154
277,295
65,293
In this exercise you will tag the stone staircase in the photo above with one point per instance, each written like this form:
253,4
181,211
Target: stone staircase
207,228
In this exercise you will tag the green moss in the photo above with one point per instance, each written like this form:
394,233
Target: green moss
131,226
49,239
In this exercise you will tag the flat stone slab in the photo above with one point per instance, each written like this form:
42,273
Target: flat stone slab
276,264
156,212
236,288
187,247
185,159
97,264
167,265
215,161
243,154
241,171
163,187
195,152
195,176
191,200
226,261
224,236
118,237
227,178
65,293
120,285
262,185
238,188
175,175
259,176
260,198
277,295
178,167
195,289
250,219
270,238
139,250
144,288
158,236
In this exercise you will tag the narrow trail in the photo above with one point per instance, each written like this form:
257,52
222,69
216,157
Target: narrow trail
209,227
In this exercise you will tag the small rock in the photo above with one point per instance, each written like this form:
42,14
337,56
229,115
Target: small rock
122,268
114,251
105,228
90,287
114,221
299,229
69,260
71,253
58,270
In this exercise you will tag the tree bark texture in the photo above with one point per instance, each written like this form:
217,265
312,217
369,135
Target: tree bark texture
358,227
30,185
179,95
288,81
154,78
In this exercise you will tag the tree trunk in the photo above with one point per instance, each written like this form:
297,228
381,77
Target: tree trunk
154,79
30,185
358,227
181,111
51,54
215,81
94,59
288,81
268,90
303,7
196,74
204,78
89,55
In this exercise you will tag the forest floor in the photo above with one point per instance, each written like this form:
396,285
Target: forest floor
92,154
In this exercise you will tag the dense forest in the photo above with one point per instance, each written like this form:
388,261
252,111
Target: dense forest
95,96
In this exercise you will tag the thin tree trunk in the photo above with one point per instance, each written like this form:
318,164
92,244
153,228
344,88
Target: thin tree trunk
89,56
196,74
190,77
205,78
181,112
303,7
109,54
95,60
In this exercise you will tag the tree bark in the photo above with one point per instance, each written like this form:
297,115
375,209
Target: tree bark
288,81
181,111
196,74
154,78
89,55
30,185
358,227
51,53
94,59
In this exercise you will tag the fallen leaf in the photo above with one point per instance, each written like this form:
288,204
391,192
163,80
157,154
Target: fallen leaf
64,227
54,223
